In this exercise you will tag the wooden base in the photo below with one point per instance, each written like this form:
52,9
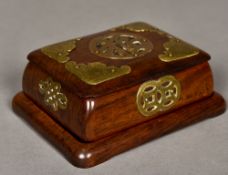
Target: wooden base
88,154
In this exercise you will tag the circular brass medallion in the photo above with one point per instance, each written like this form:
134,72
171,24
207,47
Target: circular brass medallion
120,46
158,95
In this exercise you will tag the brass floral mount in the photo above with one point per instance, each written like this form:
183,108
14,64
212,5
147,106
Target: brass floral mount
158,95
96,72
176,49
52,95
60,51
120,46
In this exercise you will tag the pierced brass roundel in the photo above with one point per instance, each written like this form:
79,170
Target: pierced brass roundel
120,46
158,95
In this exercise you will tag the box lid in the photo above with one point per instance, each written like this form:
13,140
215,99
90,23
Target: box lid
117,58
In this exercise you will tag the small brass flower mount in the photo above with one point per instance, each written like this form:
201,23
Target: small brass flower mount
52,95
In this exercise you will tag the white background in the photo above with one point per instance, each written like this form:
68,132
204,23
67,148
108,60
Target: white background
25,25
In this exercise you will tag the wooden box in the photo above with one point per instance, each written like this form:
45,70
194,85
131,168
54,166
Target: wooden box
99,95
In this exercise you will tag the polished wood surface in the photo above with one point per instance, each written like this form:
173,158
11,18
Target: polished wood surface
84,154
94,118
143,68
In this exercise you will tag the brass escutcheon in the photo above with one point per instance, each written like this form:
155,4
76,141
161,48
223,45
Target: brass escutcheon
158,95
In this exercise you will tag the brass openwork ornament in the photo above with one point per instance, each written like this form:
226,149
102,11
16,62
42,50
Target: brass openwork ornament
60,51
176,49
140,27
158,95
52,95
120,46
96,72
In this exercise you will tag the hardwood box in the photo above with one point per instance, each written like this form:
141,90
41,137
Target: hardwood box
110,82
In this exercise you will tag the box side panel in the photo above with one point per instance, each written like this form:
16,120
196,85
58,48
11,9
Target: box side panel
55,99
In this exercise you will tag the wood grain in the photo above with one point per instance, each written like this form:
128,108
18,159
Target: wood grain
84,154
97,117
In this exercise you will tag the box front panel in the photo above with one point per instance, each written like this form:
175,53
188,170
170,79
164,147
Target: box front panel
126,108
